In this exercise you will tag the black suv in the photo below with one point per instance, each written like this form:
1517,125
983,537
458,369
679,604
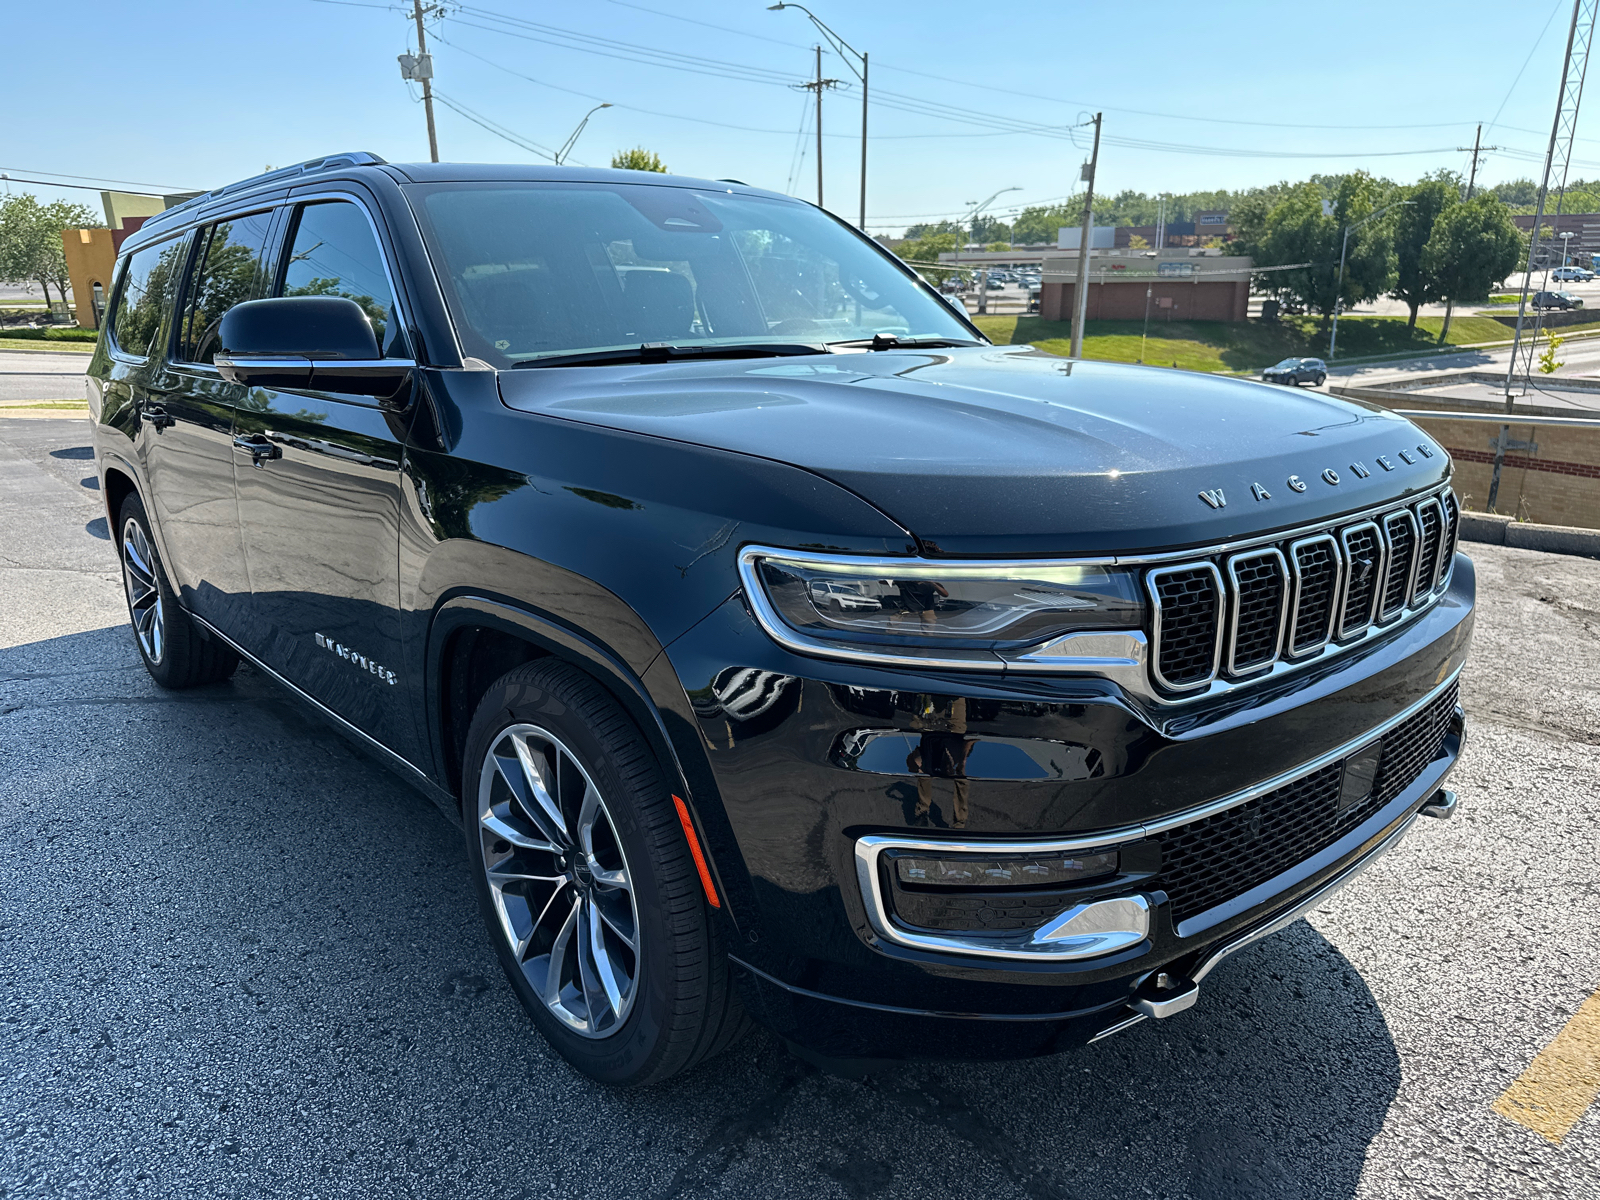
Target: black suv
785,650
1297,371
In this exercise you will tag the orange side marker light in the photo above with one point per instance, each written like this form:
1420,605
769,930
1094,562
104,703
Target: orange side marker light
695,852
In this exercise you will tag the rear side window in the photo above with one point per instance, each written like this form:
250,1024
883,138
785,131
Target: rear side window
228,270
334,253
148,284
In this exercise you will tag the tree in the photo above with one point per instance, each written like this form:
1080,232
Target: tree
30,240
1413,226
1135,242
638,159
1474,246
1297,229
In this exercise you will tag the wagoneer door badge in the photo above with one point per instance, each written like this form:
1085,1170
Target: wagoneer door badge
360,660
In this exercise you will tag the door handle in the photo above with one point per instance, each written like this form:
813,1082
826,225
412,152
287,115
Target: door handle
258,447
156,414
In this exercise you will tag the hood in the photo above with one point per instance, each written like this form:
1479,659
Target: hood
1007,450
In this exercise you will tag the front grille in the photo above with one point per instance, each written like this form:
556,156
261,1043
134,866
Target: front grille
1259,582
1211,861
1189,607
1400,532
1289,601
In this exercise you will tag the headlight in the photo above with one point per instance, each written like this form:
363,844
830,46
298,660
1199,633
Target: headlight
925,610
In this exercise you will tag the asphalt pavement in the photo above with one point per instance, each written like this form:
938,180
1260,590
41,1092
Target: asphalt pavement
240,959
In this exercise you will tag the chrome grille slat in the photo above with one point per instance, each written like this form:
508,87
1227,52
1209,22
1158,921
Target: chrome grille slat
1188,609
1400,541
1258,591
1233,616
1366,561
1318,570
1430,520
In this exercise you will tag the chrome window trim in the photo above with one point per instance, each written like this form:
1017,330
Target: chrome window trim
869,849
1335,606
1404,514
1233,610
292,202
1380,569
1155,622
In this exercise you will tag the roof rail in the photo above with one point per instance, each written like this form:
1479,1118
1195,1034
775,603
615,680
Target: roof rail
352,158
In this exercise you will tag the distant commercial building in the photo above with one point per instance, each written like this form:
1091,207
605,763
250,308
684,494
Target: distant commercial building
1207,224
1183,285
1582,246
92,253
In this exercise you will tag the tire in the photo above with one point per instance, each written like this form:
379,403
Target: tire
1319,381
575,841
176,652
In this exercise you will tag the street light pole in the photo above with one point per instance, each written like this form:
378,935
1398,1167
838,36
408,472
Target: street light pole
566,146
842,48
1333,338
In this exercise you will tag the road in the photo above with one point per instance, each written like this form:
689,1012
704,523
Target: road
239,959
41,375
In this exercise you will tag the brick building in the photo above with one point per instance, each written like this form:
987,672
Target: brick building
1183,285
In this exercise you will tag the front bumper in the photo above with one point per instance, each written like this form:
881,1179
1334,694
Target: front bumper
1052,761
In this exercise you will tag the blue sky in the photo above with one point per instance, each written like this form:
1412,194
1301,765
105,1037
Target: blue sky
186,95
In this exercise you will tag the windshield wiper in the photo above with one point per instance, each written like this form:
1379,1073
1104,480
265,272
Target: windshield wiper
892,341
660,352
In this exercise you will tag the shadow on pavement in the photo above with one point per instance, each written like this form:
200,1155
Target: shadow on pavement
240,957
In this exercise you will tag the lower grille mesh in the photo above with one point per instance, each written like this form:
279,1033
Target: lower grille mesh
1211,861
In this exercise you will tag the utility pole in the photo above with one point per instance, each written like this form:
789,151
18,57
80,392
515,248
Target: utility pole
1478,149
1568,100
427,80
818,85
1080,297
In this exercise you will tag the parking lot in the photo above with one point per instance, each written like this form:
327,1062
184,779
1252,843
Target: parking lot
238,958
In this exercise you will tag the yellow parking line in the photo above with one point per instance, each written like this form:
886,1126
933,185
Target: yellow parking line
1562,1081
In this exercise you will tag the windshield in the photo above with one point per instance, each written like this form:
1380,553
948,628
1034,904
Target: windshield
535,269
1287,364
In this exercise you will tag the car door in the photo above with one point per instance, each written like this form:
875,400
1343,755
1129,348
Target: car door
318,480
182,441
190,413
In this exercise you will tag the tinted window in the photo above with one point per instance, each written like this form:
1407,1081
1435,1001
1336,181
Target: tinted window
148,284
335,254
227,271
533,269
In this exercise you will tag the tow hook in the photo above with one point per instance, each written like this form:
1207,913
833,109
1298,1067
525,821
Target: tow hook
1442,806
1165,995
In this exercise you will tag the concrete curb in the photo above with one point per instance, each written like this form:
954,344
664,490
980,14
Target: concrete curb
1553,539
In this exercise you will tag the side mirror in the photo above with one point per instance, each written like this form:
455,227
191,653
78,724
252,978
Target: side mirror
321,343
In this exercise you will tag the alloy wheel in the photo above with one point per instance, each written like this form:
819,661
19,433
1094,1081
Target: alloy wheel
144,593
559,879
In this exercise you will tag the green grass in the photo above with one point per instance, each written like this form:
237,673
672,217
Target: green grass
9,343
1241,346
30,405
50,333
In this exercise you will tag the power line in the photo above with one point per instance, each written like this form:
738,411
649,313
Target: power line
94,179
495,127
